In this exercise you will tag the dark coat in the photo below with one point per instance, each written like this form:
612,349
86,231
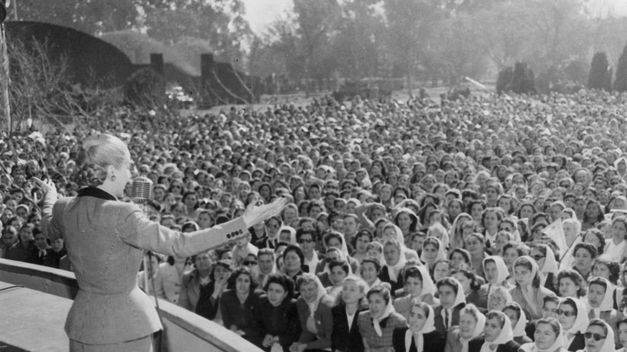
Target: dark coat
281,321
578,343
208,306
345,338
475,346
241,316
439,320
385,277
433,341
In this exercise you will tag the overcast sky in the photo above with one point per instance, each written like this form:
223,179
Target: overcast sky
260,13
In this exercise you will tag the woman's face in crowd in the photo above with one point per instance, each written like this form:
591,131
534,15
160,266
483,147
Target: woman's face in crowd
417,318
622,334
276,294
512,315
441,271
491,272
592,239
522,275
404,221
592,211
601,270
309,291
291,262
377,305
492,329
476,211
430,252
467,324
473,245
242,284
568,288
337,275
369,272
413,286
618,230
391,254
351,292
583,259
593,345
544,336
567,316
458,261
389,233
596,293
526,212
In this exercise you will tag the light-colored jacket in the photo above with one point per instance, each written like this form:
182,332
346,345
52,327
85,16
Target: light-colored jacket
105,239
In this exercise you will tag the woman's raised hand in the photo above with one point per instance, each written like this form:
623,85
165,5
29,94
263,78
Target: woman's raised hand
256,214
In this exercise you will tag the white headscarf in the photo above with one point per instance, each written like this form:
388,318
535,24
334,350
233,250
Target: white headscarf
478,327
428,287
289,229
461,296
581,321
418,335
607,304
608,344
395,269
505,335
501,268
557,345
441,252
376,322
550,264
521,324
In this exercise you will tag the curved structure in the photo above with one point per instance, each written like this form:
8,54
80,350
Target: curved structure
39,298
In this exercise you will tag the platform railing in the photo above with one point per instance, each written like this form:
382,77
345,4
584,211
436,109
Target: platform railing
184,330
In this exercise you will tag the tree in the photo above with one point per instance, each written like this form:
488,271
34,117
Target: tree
620,84
600,73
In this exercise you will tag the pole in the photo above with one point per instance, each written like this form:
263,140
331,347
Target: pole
5,108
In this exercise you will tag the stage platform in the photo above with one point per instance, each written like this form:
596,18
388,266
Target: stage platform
32,320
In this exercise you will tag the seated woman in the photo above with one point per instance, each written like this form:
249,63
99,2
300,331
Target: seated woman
369,272
432,251
209,298
314,313
496,274
519,322
599,337
346,335
471,283
238,305
421,335
277,318
573,316
610,270
570,284
600,300
498,331
377,324
528,291
471,325
547,337
339,271
394,262
418,286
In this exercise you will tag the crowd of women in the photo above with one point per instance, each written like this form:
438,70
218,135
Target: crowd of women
494,223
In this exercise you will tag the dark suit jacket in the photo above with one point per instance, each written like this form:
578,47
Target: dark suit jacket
345,338
385,277
579,343
433,341
324,323
475,346
281,321
242,316
439,320
105,239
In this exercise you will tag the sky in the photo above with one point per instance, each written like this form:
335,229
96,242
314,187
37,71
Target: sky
260,13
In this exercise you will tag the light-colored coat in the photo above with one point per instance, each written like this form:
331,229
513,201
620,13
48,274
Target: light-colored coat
105,239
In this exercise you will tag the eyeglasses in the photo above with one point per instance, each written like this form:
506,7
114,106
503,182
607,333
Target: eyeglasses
249,262
595,336
566,313
305,240
538,257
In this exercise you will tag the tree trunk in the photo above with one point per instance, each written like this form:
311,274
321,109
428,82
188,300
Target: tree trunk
5,108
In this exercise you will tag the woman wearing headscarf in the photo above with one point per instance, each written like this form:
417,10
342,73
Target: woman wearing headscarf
421,335
432,251
573,316
314,313
519,322
452,300
419,287
616,246
601,301
528,291
496,274
471,325
377,324
406,220
548,337
498,335
599,337
545,258
395,261
393,232
456,234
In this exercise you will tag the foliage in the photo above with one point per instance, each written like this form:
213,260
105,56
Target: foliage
600,76
504,80
144,88
41,88
519,79
620,84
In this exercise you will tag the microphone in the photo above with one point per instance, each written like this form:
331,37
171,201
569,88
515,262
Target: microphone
141,189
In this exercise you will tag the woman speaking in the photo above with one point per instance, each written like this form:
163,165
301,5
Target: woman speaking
105,239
